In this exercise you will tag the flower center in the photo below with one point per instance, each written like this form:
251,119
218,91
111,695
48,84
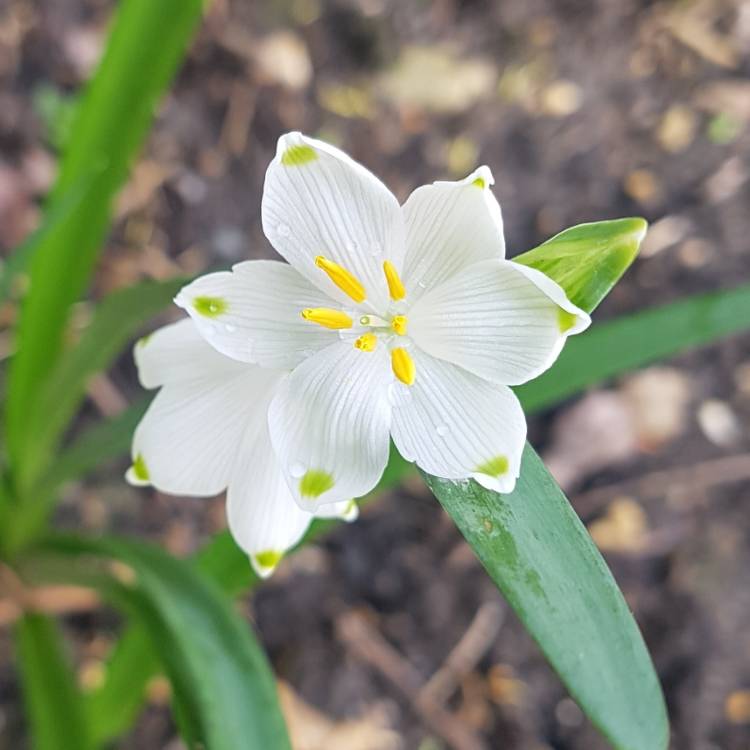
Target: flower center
389,327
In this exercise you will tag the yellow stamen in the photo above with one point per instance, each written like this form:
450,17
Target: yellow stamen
395,286
345,281
327,318
399,323
403,366
366,343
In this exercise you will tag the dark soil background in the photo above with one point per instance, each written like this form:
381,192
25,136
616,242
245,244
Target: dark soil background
585,110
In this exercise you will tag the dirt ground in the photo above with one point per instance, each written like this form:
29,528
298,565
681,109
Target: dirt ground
585,110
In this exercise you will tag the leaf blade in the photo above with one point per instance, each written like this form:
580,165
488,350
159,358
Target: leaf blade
53,704
541,557
224,688
145,46
624,344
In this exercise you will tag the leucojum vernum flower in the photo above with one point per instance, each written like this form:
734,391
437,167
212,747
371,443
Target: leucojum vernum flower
287,381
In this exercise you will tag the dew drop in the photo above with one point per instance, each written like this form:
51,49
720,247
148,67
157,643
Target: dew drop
229,328
421,285
442,430
297,470
352,246
283,230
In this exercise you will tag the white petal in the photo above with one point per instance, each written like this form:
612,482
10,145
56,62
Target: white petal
261,513
456,425
329,424
498,319
345,510
177,353
327,204
253,313
450,225
187,441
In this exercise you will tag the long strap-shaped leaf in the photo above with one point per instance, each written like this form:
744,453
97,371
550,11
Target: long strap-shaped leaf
224,691
541,557
53,704
624,344
147,42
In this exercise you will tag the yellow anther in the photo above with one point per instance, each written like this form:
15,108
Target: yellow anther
399,323
366,343
395,286
345,281
403,366
327,318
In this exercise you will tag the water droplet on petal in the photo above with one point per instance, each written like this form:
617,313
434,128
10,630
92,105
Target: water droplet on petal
352,246
297,470
421,285
283,230
443,430
229,328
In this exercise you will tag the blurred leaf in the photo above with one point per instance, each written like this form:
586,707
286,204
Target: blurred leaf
145,46
223,687
113,708
53,704
588,259
102,442
226,564
541,557
624,344
54,218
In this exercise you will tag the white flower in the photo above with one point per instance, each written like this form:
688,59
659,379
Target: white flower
388,320
207,431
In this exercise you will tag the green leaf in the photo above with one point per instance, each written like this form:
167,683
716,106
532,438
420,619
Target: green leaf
226,564
98,444
223,687
53,704
113,708
541,557
146,44
16,265
588,259
624,344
